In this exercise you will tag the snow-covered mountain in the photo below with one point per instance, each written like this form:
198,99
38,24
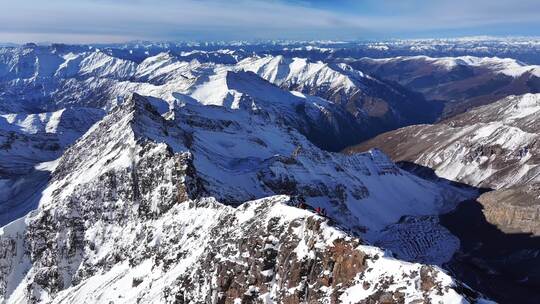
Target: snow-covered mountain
204,181
191,254
505,66
95,79
381,105
303,75
68,124
45,79
462,82
128,216
494,146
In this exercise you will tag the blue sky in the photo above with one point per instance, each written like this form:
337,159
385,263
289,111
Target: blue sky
82,21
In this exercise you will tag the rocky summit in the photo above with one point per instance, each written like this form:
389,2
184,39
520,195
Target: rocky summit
131,213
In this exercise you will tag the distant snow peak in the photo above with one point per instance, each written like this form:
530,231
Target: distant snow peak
300,72
506,66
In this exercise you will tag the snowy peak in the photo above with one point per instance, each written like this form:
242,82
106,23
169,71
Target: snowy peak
43,62
164,68
301,74
26,63
148,191
272,68
374,104
267,157
99,64
221,56
135,116
229,89
365,106
30,144
462,83
316,118
113,142
504,66
507,66
265,247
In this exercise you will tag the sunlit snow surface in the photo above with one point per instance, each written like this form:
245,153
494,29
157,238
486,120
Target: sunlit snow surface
483,146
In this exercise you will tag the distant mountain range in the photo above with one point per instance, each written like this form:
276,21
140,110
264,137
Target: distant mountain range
461,82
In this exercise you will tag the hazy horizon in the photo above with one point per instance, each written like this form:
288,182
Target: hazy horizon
284,41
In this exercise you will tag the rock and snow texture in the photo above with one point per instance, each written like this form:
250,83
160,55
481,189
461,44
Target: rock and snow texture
67,124
304,75
493,146
29,144
98,80
203,252
514,210
127,216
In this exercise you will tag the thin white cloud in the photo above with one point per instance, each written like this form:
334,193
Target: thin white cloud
108,20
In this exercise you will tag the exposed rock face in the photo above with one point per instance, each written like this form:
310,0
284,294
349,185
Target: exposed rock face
513,210
419,239
57,239
495,256
205,252
274,261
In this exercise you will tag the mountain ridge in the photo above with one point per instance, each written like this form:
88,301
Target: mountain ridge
125,183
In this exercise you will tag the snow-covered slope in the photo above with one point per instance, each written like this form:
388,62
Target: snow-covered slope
461,82
29,143
67,124
382,105
98,80
127,216
304,75
242,154
192,253
495,146
160,185
505,66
